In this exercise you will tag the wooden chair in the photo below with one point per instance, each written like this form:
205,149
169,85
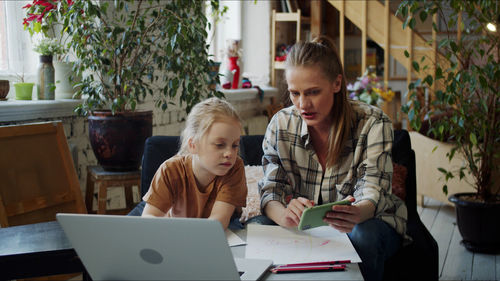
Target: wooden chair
38,175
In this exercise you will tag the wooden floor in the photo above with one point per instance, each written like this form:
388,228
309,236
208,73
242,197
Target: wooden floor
455,262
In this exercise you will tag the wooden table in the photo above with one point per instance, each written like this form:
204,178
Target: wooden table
35,250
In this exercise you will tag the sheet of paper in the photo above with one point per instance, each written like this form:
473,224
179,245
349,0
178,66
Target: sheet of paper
285,246
233,239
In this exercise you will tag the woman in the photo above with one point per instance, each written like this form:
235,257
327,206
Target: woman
326,148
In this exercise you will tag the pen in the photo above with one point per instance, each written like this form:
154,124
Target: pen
313,268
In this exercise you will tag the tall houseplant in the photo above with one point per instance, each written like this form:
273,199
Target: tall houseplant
465,108
127,50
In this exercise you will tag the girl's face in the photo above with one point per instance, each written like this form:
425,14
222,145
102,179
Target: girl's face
217,150
312,94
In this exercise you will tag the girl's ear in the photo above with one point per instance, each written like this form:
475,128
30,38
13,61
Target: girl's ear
337,84
192,147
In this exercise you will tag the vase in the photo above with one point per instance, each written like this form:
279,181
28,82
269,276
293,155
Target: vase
64,87
46,79
24,91
235,69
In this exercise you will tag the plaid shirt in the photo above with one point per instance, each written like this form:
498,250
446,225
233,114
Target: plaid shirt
364,169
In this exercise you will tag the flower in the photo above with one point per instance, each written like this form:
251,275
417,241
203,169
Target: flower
43,14
368,89
48,47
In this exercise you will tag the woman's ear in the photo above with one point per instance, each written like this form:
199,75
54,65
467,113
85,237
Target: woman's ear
192,147
337,84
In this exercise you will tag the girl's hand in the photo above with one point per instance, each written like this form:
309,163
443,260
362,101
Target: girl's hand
345,217
292,213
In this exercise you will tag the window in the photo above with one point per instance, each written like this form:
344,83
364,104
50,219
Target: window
16,54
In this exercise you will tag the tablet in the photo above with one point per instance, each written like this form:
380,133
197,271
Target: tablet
313,217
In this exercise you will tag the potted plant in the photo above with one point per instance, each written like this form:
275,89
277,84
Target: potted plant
43,17
128,50
465,109
24,90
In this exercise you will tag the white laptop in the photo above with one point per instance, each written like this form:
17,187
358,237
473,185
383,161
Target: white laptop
136,248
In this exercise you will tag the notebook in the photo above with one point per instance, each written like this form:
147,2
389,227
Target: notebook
136,248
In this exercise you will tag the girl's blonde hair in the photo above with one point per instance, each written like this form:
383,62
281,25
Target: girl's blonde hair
321,52
202,116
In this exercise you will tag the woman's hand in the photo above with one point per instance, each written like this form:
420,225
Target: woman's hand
345,217
288,216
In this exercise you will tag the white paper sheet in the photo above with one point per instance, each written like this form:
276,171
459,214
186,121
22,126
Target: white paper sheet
285,246
233,239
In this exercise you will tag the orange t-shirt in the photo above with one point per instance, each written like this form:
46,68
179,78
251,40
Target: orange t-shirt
174,189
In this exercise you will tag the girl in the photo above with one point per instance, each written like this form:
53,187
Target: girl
326,148
206,179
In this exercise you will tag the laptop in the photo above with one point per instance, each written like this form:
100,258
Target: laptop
136,248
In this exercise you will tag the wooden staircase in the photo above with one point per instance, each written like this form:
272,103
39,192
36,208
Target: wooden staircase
376,20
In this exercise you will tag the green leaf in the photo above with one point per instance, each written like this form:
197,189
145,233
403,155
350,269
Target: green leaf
407,54
412,23
428,79
416,66
445,189
423,15
473,138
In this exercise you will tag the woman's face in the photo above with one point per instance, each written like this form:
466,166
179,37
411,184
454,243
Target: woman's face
312,94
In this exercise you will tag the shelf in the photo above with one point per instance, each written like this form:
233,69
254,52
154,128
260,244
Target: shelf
293,17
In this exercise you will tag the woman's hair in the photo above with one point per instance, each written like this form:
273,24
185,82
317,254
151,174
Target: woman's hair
321,52
202,116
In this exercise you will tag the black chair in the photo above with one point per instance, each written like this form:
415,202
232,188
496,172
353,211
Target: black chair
420,259
157,149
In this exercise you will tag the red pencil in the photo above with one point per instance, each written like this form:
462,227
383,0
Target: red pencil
310,268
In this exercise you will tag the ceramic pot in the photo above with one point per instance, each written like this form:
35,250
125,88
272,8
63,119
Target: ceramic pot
24,91
4,89
64,88
118,140
478,224
46,79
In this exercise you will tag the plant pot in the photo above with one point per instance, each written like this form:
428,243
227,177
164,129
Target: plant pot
478,224
118,140
24,91
4,89
64,88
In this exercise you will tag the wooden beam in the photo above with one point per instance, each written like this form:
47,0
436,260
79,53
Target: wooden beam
363,37
387,16
273,48
341,31
316,17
